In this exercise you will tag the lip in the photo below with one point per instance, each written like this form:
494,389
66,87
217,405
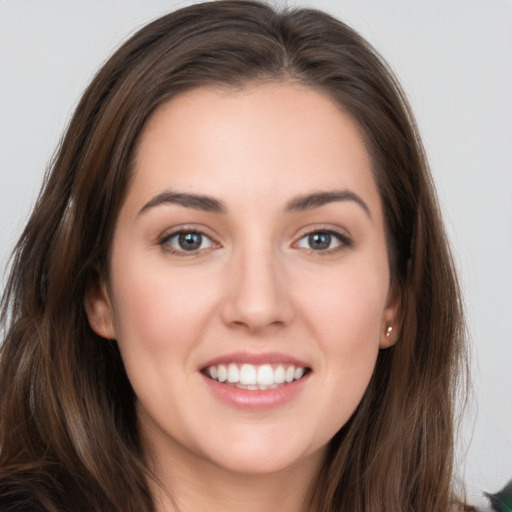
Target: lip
254,400
255,359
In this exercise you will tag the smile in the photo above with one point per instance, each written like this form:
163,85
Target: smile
255,377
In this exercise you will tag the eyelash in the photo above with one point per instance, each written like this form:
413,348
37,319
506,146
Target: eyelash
344,242
164,242
343,239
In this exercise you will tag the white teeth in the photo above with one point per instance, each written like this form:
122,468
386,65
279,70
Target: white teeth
299,372
248,376
222,373
265,375
233,373
279,375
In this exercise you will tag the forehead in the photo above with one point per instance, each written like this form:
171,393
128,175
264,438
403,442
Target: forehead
281,137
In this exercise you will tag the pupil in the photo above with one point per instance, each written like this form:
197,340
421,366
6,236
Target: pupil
190,241
319,240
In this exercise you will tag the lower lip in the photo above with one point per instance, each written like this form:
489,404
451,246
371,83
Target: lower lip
256,399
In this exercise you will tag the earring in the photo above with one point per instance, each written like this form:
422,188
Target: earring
389,330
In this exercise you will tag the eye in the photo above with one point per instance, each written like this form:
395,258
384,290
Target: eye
324,241
187,242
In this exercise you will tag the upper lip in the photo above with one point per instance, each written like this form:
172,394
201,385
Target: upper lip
255,359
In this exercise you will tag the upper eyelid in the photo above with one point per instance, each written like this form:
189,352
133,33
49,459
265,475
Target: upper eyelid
323,228
173,234
164,243
344,238
176,230
299,234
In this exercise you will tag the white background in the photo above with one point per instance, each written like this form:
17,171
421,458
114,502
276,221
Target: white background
454,59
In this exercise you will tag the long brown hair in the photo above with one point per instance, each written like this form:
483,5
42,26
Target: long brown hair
68,436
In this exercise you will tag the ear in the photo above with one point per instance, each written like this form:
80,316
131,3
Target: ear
391,324
100,313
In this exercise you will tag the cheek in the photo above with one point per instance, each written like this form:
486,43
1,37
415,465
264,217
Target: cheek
347,306
345,316
160,320
158,312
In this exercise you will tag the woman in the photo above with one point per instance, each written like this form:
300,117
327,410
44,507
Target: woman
235,290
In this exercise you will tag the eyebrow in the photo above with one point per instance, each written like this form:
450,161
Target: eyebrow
317,199
210,204
195,201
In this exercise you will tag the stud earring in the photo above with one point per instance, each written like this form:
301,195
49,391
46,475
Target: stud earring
389,330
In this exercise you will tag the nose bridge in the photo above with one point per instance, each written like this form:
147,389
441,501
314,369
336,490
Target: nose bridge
257,295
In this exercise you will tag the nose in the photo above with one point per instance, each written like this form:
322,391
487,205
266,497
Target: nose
257,292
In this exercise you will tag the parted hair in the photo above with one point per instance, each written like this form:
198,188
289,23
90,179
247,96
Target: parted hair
68,426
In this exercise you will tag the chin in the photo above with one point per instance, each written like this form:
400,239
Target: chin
265,458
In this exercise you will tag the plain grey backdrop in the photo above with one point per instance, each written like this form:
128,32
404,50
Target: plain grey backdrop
454,59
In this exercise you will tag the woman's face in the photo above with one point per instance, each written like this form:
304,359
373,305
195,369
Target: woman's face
249,284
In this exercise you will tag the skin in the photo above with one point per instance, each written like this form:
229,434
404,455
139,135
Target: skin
255,286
